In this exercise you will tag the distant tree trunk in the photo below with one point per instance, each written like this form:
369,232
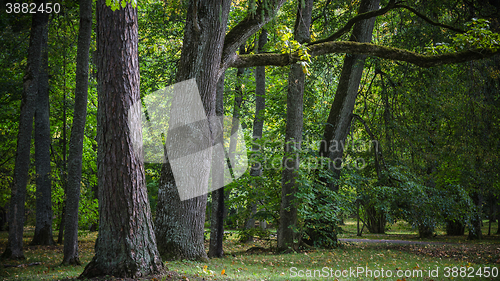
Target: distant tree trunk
342,108
215,249
475,232
293,134
60,234
375,220
425,231
180,224
126,244
43,226
260,106
260,102
77,133
64,166
14,249
455,228
238,101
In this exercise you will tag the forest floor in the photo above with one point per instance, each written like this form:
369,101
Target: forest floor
454,257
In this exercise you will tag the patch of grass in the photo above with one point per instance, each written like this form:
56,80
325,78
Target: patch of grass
401,230
239,265
49,257
261,263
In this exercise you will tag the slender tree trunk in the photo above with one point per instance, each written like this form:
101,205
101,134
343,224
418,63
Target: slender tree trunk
126,244
77,134
340,115
260,102
60,234
14,249
260,106
215,249
455,228
258,123
180,224
475,232
43,227
293,134
63,143
238,100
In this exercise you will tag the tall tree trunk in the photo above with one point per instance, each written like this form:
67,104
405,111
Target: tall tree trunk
63,143
342,108
180,224
14,249
217,222
126,244
475,232
77,134
260,102
43,226
293,134
260,106
258,124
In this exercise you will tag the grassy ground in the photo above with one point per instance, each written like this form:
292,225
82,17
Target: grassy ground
401,230
255,261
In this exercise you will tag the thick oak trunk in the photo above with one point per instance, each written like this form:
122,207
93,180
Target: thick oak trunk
293,134
14,249
71,255
126,244
180,224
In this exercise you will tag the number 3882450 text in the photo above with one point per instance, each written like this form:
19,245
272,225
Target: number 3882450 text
32,8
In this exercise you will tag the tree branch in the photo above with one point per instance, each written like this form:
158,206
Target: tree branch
246,28
428,20
369,49
390,6
354,20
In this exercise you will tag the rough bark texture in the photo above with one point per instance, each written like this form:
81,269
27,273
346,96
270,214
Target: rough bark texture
14,249
215,249
180,224
77,133
293,134
126,244
340,115
43,226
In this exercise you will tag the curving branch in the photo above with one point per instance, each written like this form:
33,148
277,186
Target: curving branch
369,49
358,18
246,28
428,20
390,6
